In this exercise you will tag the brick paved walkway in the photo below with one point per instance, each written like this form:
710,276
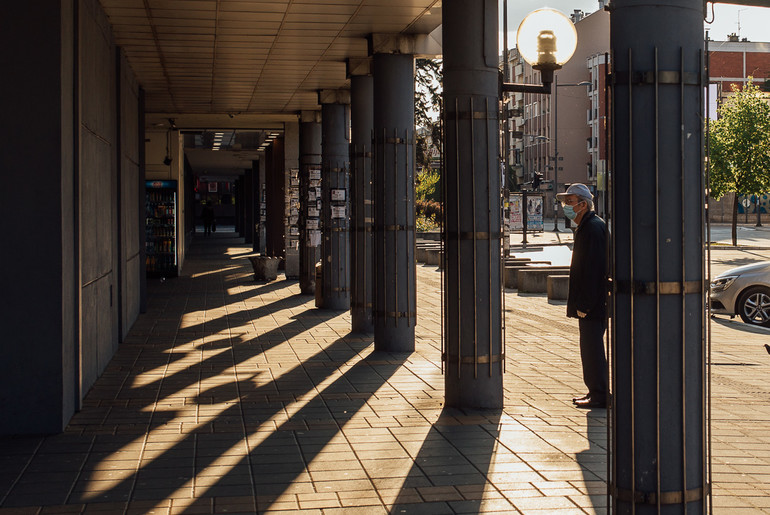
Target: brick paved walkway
231,396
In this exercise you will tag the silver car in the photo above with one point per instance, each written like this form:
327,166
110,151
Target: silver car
743,291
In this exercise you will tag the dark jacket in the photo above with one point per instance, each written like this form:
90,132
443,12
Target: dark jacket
588,269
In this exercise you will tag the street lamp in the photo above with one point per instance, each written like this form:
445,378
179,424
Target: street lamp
546,39
556,146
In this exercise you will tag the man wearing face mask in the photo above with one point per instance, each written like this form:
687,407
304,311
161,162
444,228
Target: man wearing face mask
587,298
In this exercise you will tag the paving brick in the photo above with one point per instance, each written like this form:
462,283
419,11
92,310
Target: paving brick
226,387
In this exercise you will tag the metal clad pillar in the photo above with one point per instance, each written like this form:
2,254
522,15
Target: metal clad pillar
361,216
335,200
261,205
394,299
254,193
473,351
275,200
247,185
660,401
309,214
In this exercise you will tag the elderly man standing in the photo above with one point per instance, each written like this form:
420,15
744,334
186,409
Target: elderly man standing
587,298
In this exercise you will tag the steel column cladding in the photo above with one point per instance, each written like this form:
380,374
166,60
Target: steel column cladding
394,307
473,343
659,423
335,241
361,216
309,214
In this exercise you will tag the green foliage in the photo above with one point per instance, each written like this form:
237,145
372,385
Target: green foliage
426,185
425,223
739,151
428,110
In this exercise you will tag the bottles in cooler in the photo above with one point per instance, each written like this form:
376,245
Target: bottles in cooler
161,228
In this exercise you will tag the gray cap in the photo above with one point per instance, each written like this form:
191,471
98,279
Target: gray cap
581,190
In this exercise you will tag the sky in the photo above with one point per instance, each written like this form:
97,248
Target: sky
754,21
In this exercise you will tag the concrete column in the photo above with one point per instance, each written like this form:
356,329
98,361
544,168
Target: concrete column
394,297
291,164
254,193
335,200
361,216
142,207
261,207
41,312
473,346
275,185
659,442
248,206
239,211
309,211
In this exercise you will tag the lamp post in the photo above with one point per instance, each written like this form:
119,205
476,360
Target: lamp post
556,87
546,39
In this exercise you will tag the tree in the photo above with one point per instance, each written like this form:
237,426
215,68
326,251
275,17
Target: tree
739,153
428,109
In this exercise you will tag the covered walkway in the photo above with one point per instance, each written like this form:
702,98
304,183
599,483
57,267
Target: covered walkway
235,396
230,396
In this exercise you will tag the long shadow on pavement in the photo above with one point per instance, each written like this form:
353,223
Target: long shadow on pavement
453,469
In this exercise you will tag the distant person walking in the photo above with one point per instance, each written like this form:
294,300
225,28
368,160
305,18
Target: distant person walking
587,297
207,215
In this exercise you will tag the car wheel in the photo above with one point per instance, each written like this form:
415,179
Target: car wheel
754,306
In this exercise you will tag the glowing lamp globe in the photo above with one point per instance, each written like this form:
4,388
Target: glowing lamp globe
546,39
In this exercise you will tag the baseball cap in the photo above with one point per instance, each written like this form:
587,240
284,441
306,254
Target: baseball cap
581,190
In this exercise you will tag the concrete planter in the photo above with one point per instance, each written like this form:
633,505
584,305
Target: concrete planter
265,268
558,287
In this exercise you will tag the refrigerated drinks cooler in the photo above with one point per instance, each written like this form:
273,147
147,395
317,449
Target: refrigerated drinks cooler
161,230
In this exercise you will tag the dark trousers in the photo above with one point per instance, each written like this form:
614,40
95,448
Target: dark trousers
592,355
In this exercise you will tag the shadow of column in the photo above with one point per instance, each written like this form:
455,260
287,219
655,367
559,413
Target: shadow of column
453,467
594,460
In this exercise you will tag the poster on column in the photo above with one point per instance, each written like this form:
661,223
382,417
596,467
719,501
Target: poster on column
534,213
314,238
338,212
338,195
315,174
517,221
312,224
313,212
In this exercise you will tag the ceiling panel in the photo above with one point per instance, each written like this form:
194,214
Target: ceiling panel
220,57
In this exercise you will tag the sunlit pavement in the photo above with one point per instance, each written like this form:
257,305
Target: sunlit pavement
231,396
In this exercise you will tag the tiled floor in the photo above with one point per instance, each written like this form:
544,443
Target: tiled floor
231,396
